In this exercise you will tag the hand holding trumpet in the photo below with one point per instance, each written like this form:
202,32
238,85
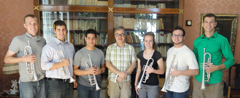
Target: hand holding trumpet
174,72
211,68
65,62
149,70
30,58
94,70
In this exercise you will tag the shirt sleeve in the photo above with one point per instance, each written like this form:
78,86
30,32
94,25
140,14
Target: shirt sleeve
133,54
47,58
102,58
226,50
195,51
138,55
77,59
158,56
108,53
192,61
14,46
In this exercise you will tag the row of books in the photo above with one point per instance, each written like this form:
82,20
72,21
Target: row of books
162,37
82,24
137,49
132,38
87,2
163,49
139,24
158,5
78,39
48,35
79,24
75,2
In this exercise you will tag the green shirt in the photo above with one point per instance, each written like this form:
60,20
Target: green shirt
217,45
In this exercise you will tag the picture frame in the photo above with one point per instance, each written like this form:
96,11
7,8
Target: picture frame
226,26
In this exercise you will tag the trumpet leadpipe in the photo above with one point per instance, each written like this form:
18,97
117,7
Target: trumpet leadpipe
203,69
30,65
92,78
143,77
64,69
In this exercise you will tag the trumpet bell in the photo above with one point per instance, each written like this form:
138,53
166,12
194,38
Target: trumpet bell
139,86
203,87
71,80
97,87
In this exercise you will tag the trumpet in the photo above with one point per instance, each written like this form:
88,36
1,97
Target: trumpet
204,65
30,65
169,80
64,69
143,77
92,78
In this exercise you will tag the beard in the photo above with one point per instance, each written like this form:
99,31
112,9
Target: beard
178,43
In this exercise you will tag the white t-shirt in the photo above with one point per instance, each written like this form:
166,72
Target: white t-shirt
184,60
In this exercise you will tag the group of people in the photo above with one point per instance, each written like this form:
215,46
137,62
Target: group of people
59,69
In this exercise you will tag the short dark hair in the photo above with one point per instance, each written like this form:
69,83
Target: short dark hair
29,15
209,15
59,23
91,31
179,28
119,28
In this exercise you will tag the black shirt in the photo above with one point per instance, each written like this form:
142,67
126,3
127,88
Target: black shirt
153,78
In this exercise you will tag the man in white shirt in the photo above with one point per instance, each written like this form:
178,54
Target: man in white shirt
181,64
57,60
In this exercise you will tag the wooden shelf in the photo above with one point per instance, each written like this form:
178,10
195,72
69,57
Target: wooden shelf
132,15
73,8
135,44
146,10
161,1
98,46
164,30
78,18
81,31
158,44
143,30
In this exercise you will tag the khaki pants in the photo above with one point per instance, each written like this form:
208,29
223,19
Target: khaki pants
212,90
119,89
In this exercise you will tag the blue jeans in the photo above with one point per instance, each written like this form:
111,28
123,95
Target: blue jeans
34,89
171,94
87,92
59,89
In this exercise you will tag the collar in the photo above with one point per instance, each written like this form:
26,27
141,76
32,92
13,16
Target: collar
60,42
213,36
115,44
37,38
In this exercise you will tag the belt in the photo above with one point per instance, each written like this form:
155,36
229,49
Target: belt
60,80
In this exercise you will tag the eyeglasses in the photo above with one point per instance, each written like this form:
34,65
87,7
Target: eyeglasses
177,35
121,35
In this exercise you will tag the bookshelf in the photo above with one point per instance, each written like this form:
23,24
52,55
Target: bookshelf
137,16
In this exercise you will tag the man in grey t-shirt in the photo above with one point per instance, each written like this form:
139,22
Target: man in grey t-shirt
31,83
83,56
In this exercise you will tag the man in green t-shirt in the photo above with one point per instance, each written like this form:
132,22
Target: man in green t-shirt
218,46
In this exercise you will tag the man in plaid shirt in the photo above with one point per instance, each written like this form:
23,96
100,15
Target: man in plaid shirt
121,61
